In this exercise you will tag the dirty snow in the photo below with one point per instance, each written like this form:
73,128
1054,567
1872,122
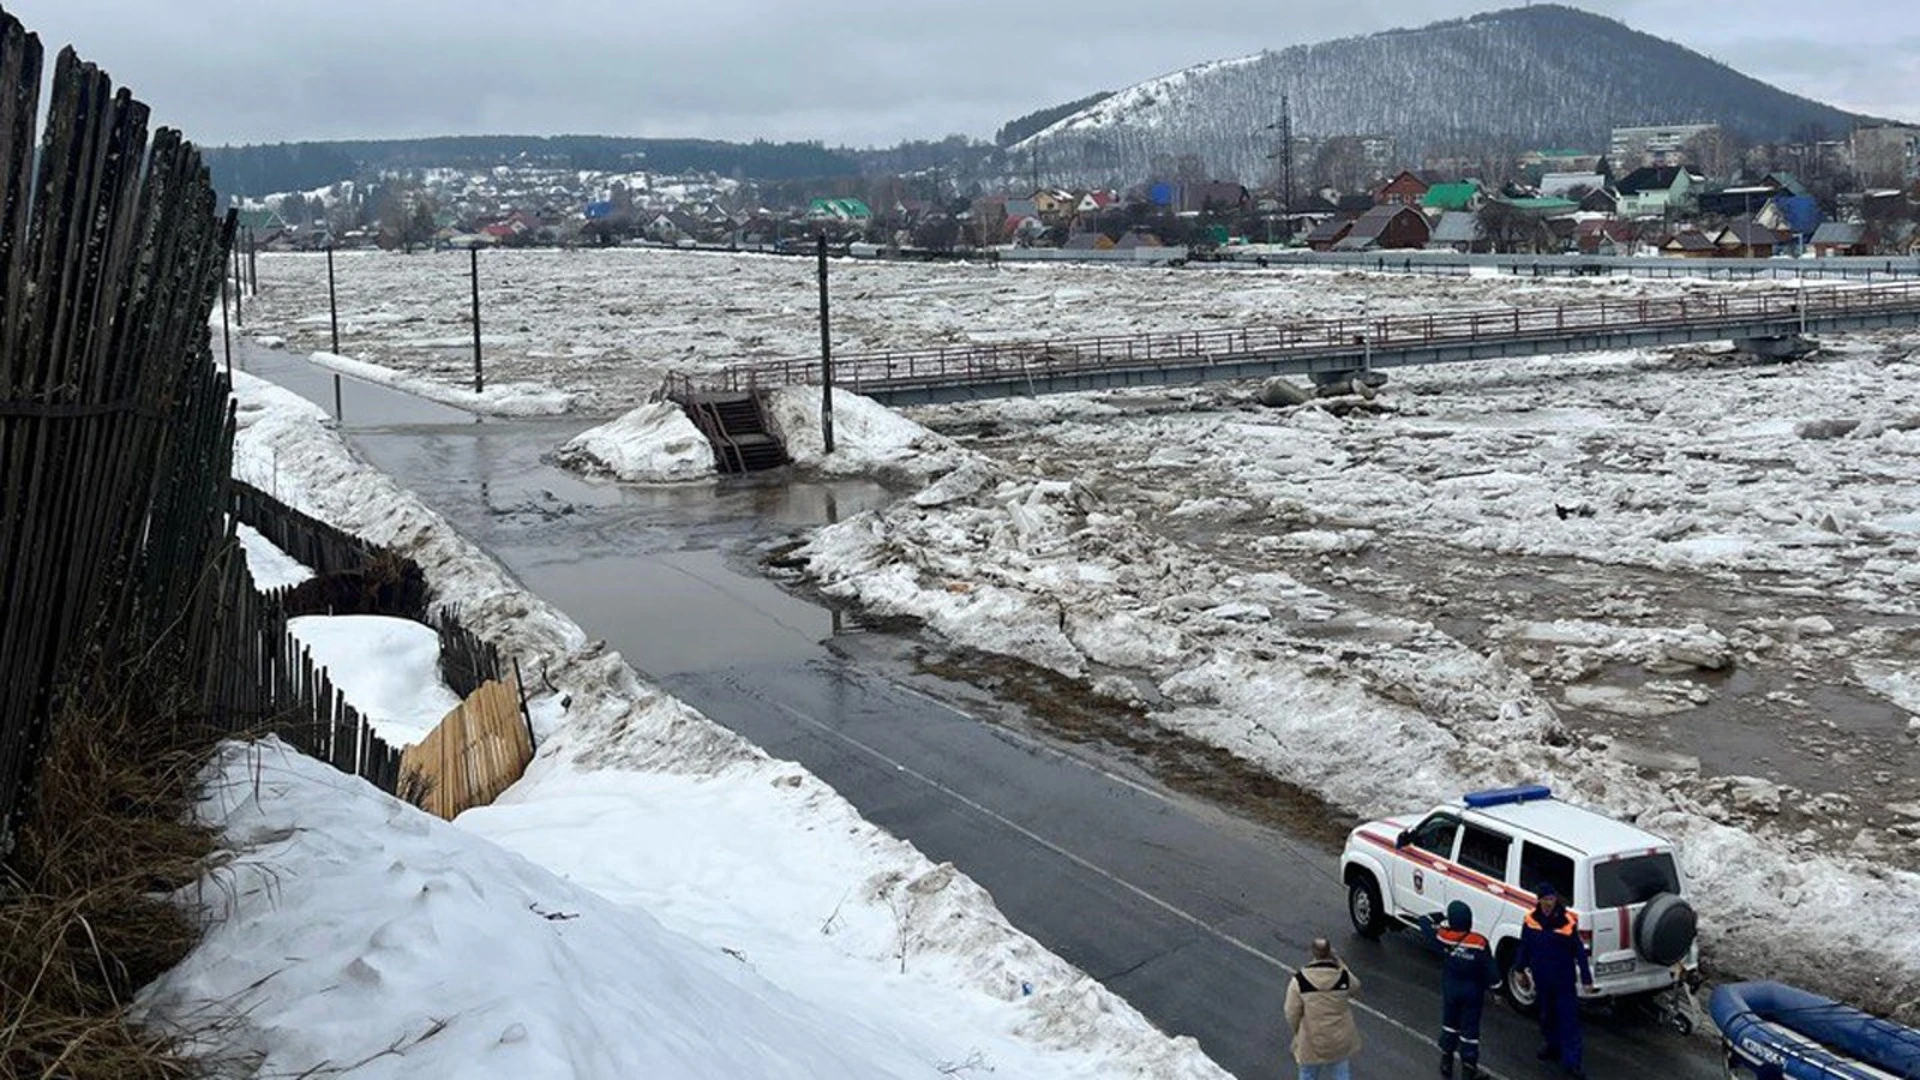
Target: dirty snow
653,444
496,399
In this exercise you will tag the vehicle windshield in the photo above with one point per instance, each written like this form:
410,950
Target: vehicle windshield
1635,880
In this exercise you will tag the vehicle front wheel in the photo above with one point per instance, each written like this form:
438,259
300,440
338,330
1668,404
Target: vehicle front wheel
1523,996
1363,905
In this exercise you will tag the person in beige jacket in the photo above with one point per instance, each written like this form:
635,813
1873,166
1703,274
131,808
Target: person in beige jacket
1320,1012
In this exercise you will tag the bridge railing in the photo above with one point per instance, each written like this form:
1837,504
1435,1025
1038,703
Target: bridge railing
1033,358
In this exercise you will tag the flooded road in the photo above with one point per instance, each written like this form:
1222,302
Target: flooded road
1188,902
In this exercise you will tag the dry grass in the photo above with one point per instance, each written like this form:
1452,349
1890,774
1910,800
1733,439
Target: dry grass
85,918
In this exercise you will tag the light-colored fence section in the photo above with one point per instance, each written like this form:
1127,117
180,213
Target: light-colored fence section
476,752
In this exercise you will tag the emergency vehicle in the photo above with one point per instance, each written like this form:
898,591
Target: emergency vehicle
1492,848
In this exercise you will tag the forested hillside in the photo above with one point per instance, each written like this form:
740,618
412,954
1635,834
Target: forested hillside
1537,76
261,170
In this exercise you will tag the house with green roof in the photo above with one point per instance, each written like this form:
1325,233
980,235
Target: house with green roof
848,210
1544,206
1464,195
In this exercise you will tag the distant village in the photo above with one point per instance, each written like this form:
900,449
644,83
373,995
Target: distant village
1681,190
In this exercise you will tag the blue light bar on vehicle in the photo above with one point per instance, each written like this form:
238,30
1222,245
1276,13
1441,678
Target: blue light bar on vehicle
1507,795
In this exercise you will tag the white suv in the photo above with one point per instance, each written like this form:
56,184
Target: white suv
1494,847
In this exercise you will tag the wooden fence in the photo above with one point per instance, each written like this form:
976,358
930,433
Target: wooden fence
474,754
115,428
118,565
312,543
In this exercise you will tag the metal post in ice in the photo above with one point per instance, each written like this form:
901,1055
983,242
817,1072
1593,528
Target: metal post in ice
826,354
333,323
333,304
479,380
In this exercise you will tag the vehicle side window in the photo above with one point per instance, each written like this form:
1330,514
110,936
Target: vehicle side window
1435,835
1538,864
1485,852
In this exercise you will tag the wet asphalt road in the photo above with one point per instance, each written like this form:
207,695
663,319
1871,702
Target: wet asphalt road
1192,914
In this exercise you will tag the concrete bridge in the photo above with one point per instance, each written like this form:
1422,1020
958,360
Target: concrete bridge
1325,349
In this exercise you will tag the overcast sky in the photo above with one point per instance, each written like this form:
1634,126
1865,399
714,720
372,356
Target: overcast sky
846,72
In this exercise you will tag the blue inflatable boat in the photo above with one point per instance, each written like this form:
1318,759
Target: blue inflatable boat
1778,1032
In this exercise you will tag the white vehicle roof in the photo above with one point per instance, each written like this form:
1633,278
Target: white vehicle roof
1571,826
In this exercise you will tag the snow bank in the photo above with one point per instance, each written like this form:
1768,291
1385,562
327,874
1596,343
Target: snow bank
780,855
653,444
499,399
869,439
351,932
271,568
388,669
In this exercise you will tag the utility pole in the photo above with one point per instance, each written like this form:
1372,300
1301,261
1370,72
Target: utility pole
826,353
479,382
333,323
1284,126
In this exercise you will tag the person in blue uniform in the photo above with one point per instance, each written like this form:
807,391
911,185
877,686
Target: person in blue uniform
1467,976
1551,953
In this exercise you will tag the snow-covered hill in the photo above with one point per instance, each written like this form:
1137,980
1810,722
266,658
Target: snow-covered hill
1537,76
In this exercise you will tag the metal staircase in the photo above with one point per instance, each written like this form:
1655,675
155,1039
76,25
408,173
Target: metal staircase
736,425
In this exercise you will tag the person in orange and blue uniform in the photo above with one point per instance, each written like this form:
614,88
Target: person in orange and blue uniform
1551,953
1467,976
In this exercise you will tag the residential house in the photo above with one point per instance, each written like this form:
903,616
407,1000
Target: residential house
1458,230
1601,200
1054,204
1785,183
1551,162
1841,238
1747,240
847,211
1598,236
1219,194
1088,241
1656,191
1542,206
1387,227
1571,185
1405,189
1138,238
673,227
1095,201
1464,196
1794,216
1329,232
1689,243
1741,201
1353,205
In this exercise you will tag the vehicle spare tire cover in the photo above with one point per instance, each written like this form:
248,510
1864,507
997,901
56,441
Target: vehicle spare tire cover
1664,930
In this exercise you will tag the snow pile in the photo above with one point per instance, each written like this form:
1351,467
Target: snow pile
1000,558
653,444
642,799
869,439
498,399
271,568
352,932
387,668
